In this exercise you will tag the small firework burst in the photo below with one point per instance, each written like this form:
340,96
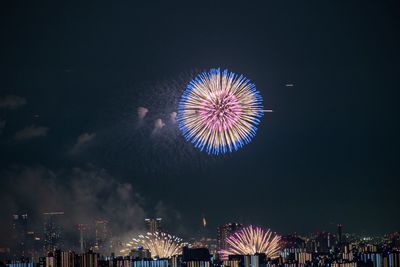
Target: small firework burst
160,245
252,240
219,111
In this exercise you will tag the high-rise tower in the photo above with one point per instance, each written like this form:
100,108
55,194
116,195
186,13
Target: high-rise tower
52,230
224,231
20,232
153,225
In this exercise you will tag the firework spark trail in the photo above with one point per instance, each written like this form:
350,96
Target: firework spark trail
219,111
251,240
161,245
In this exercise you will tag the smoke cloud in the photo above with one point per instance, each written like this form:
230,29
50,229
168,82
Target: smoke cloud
82,141
172,117
12,102
31,132
158,124
141,111
85,195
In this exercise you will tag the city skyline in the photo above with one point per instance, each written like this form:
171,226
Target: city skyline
339,249
98,237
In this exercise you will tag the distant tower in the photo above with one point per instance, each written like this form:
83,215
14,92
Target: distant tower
339,233
82,237
224,231
52,230
153,225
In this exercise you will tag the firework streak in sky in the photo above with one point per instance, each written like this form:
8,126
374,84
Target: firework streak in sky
251,240
161,245
219,111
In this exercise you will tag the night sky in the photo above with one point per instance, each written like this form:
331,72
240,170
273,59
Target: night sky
73,75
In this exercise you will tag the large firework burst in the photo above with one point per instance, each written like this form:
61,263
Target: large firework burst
251,240
160,244
219,111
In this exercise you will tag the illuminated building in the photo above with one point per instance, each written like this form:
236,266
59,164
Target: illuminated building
20,264
252,260
311,245
175,261
89,259
204,242
140,253
375,258
102,236
391,259
224,231
303,257
195,254
26,243
153,225
367,248
347,253
150,263
51,260
195,257
20,232
42,262
121,262
129,262
67,259
344,264
256,260
325,242
394,240
52,230
291,245
197,264
231,263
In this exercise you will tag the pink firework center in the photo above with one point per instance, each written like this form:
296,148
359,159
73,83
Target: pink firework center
220,112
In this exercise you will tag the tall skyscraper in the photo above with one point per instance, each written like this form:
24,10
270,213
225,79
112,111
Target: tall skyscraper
51,260
102,236
20,233
224,231
325,241
153,225
339,234
52,230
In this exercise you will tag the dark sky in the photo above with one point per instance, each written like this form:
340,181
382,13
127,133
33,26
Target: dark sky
328,154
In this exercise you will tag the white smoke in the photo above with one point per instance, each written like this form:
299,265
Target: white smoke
142,111
172,117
